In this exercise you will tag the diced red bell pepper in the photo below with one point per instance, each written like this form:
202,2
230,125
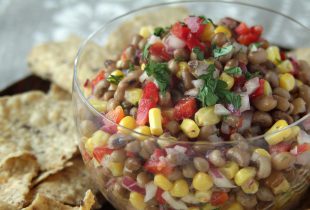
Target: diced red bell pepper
100,152
159,197
86,156
303,148
150,91
280,147
295,66
239,82
283,55
131,185
257,30
158,49
116,115
185,108
98,78
218,198
192,42
247,39
260,90
242,29
180,31
148,101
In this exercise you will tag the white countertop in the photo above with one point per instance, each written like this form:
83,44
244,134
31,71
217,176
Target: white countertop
27,23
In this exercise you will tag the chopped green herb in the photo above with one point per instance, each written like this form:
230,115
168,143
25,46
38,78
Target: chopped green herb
215,90
145,52
161,74
131,67
206,20
158,31
218,52
199,53
249,75
114,79
233,71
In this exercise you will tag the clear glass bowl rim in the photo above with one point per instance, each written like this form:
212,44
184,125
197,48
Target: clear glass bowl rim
77,85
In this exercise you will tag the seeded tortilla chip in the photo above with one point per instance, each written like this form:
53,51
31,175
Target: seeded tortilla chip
16,173
67,186
41,124
55,61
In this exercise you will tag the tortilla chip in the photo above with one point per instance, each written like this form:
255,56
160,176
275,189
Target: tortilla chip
302,54
59,93
55,61
6,148
6,206
41,202
67,186
88,201
121,37
16,173
41,124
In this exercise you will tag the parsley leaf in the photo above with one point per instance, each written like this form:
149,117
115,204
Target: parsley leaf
161,74
199,53
233,71
249,75
206,20
114,79
215,90
145,52
131,67
218,52
158,31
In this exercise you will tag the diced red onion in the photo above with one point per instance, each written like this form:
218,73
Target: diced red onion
246,121
198,83
245,103
172,42
303,137
303,159
220,180
150,191
251,85
131,185
192,23
143,77
192,92
219,109
190,198
175,204
153,39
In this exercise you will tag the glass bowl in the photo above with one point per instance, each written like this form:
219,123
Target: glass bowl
124,185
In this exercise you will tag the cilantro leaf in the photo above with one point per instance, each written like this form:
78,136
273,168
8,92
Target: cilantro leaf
249,75
233,71
218,52
161,74
199,53
206,20
131,67
114,79
158,31
145,52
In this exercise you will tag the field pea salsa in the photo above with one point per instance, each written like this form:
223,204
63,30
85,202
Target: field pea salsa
179,88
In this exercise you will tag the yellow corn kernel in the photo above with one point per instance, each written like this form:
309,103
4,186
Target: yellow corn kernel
143,66
273,54
244,175
202,181
117,73
230,169
280,136
203,196
137,200
190,128
235,206
224,30
283,187
162,182
228,79
208,32
208,206
99,138
179,74
250,187
133,95
116,168
146,31
193,208
183,66
127,122
294,132
262,152
287,81
205,116
99,105
299,83
209,61
285,66
155,121
145,130
267,88
180,188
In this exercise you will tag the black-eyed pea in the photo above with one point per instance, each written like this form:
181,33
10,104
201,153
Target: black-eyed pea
189,171
264,194
283,160
216,158
238,155
246,200
201,164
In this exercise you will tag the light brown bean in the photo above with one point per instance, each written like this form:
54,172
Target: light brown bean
112,104
165,100
187,79
173,127
262,118
282,160
272,78
231,63
242,58
108,95
282,103
238,155
133,164
258,57
142,179
265,103
100,88
216,158
281,92
299,106
118,155
173,66
175,175
264,194
206,131
279,115
201,164
133,146
149,146
189,171
246,200
180,54
219,39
